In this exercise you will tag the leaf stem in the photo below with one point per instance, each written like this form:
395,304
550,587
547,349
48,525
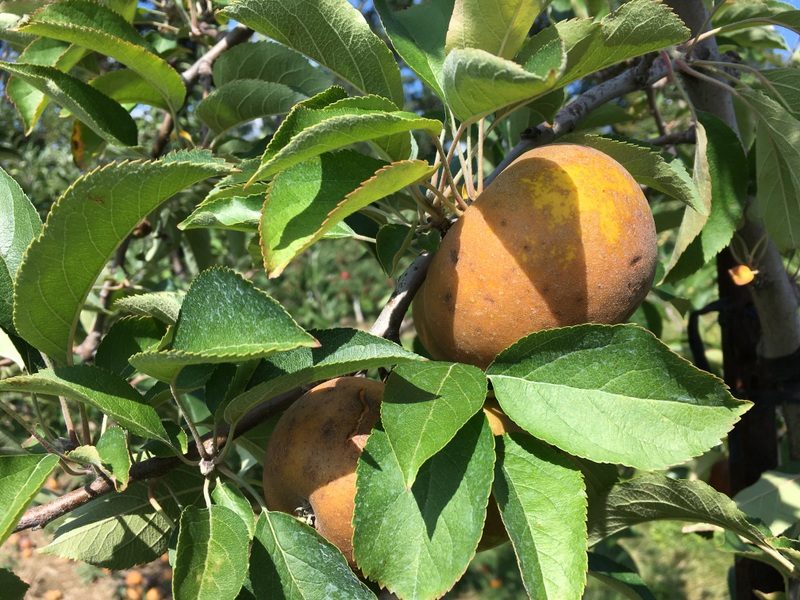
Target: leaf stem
241,482
201,449
446,168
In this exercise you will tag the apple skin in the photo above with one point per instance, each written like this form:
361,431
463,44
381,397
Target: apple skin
563,236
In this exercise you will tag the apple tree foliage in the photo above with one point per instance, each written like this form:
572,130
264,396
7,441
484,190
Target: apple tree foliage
319,124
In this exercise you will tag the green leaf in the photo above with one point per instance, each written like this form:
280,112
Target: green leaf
424,405
114,455
633,400
128,87
237,213
290,560
331,32
162,306
497,26
418,541
21,478
477,83
418,34
391,243
119,531
785,88
127,337
648,166
97,387
726,175
309,199
230,497
244,100
774,500
113,450
777,169
656,497
618,577
106,117
341,351
211,556
29,100
635,28
100,29
224,318
92,218
20,225
333,127
769,13
539,492
13,587
269,61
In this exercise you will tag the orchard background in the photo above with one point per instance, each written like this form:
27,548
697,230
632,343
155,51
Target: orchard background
208,208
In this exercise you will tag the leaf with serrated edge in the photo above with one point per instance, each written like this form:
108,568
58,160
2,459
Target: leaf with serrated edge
100,29
334,34
341,351
612,393
727,176
418,34
496,26
126,337
244,100
227,495
694,221
335,132
211,555
477,83
539,491
97,387
113,450
106,117
119,531
237,213
20,225
128,87
648,166
269,61
224,318
777,169
21,477
418,542
311,198
164,306
774,499
92,218
29,100
784,86
290,560
656,497
635,28
424,405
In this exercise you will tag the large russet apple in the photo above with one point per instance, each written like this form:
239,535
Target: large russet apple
563,236
311,458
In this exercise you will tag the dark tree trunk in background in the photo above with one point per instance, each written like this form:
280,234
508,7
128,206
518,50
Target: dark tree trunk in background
753,443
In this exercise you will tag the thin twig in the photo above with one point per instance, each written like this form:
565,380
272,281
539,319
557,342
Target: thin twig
654,112
39,516
234,37
449,174
568,117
